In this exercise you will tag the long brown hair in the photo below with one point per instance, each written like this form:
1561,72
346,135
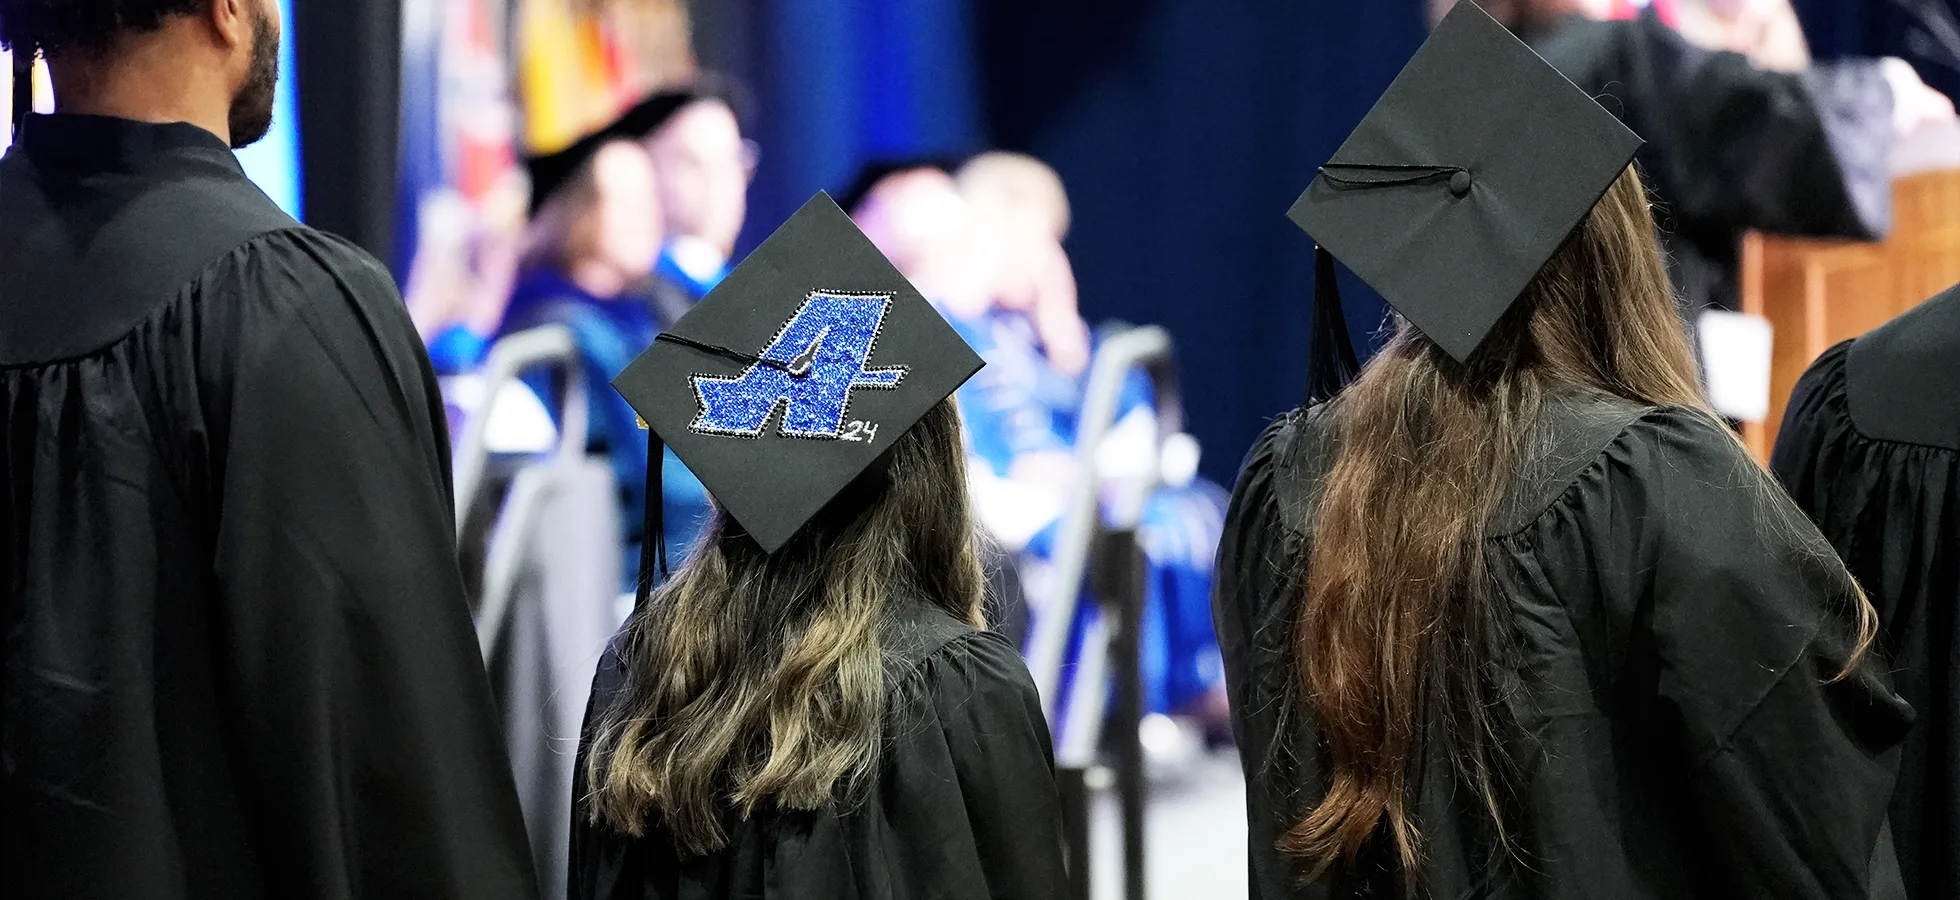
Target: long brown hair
756,679
1398,610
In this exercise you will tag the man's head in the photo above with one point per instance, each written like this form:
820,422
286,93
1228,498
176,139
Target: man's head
603,227
915,216
114,56
703,166
1525,16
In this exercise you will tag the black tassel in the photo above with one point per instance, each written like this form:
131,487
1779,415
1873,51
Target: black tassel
653,534
1331,363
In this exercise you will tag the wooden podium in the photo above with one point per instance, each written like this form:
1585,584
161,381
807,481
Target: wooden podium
1816,293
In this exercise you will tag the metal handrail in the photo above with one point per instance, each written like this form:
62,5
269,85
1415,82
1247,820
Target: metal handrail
507,361
1148,347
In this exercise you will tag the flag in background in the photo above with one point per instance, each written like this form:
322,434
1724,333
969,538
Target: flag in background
572,72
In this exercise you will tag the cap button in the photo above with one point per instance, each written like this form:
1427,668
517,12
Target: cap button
1460,182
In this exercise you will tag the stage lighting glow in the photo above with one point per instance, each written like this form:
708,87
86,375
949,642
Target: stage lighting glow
274,163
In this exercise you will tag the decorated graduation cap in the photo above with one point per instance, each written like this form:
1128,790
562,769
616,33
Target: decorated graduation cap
1456,189
793,376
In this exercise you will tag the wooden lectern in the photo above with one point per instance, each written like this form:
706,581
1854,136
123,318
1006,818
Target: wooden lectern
1816,293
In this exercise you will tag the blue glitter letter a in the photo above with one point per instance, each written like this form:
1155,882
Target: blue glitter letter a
836,333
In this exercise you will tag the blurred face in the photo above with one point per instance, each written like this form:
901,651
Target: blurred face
625,229
1514,13
703,167
251,105
916,218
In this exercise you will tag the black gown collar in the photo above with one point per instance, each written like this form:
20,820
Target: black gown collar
104,143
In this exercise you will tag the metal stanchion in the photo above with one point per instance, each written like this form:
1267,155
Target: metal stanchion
1118,583
1074,785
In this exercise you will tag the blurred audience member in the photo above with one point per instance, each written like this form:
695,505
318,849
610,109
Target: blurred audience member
597,234
986,248
1038,347
1743,134
914,213
463,270
704,166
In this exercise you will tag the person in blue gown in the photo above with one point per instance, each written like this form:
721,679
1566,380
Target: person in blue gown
990,256
596,236
703,166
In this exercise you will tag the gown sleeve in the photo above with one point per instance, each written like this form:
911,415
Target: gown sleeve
1788,766
366,731
600,866
971,807
1813,425
1743,147
1251,589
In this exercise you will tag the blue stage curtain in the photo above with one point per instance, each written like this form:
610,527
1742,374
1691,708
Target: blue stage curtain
1184,129
348,56
837,83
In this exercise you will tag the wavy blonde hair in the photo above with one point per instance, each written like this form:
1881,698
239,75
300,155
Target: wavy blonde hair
755,679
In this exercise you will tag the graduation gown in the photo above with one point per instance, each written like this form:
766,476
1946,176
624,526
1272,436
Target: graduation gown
1731,147
963,805
238,661
1677,737
1870,448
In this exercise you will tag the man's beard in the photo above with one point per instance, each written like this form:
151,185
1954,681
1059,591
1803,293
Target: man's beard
251,107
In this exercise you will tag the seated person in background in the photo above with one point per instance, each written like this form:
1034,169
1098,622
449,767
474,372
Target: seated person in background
465,263
991,258
596,233
1870,448
810,708
1039,352
1733,144
703,167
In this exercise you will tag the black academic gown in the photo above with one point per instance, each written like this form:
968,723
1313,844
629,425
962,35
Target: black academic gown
963,805
238,658
1676,734
1870,447
1731,147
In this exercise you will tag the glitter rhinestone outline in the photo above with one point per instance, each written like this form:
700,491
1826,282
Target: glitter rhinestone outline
782,423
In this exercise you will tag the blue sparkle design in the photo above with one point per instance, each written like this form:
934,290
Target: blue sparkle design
841,330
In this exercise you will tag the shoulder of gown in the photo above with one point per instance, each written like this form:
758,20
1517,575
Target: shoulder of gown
964,805
1867,448
1734,639
1252,602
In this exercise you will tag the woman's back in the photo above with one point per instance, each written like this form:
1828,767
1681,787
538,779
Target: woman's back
953,808
1668,666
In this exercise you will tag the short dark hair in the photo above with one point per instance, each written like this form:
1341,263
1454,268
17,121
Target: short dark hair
54,26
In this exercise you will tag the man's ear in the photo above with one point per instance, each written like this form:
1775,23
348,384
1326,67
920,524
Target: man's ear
231,21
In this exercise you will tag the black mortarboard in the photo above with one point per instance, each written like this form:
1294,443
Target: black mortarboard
795,374
551,171
1450,196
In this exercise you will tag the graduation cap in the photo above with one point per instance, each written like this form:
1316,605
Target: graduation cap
793,376
1456,189
552,171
